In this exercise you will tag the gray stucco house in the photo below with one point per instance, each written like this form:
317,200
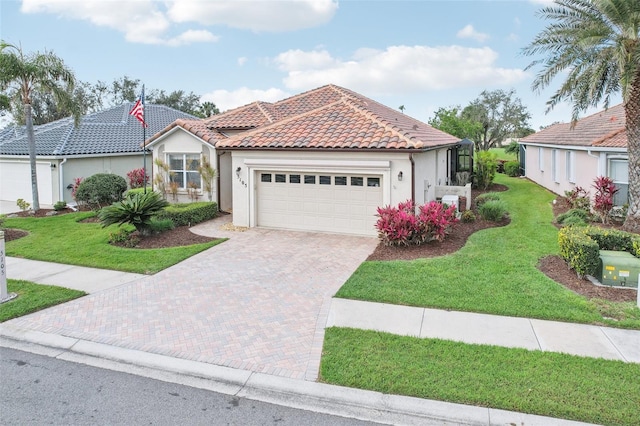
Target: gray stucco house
108,141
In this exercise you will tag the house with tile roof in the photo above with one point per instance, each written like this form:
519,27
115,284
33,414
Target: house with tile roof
108,141
561,157
322,160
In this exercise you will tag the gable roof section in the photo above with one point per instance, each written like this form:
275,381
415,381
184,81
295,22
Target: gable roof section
329,117
602,129
112,131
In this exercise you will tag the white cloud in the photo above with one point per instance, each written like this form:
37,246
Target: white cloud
255,15
469,32
242,60
225,99
151,21
398,69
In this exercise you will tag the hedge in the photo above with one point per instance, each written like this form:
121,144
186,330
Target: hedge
580,246
189,213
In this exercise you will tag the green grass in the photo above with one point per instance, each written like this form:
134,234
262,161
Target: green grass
543,383
495,272
64,239
503,155
34,297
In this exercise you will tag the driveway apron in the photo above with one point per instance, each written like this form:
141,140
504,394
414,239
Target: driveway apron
258,302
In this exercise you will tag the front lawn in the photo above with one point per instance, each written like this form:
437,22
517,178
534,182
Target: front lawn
544,383
494,273
34,297
66,239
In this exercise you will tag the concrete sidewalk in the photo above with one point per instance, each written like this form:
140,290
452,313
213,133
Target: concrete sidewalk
512,332
89,280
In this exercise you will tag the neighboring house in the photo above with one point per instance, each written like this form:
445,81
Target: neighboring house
108,141
323,160
561,158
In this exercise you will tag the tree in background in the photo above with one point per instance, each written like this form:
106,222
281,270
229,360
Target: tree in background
500,115
207,109
449,120
21,76
595,46
489,120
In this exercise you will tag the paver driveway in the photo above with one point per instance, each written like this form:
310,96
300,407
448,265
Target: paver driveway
258,302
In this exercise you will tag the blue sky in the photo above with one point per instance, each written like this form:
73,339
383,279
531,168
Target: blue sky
420,54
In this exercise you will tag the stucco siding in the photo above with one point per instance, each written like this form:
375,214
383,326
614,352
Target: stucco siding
387,165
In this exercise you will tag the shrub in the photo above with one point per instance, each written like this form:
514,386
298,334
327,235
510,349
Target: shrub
123,237
512,168
573,217
208,173
578,198
74,187
493,210
401,226
137,178
22,204
101,189
603,199
513,148
487,196
138,209
158,226
182,214
579,250
60,205
486,167
468,216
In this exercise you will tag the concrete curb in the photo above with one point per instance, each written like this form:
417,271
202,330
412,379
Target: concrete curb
317,397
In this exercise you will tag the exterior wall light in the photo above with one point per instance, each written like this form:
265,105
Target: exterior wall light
238,171
400,175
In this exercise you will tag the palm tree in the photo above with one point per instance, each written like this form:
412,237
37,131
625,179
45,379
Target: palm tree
597,44
22,75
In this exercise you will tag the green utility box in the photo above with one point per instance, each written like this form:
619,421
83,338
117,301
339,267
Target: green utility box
618,268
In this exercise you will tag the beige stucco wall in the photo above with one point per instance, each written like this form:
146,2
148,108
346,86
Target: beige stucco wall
180,141
427,166
588,166
430,171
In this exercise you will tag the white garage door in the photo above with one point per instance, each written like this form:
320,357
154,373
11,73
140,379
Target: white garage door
343,203
15,182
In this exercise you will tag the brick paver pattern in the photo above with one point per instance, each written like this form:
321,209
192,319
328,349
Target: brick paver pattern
258,302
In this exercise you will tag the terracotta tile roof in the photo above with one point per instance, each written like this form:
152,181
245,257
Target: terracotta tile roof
603,129
332,117
249,116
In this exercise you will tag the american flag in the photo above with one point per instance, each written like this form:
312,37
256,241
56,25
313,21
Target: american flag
138,110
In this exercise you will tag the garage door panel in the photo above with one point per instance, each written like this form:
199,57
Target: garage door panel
15,182
320,204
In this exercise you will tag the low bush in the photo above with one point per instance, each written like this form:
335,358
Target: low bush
493,210
578,198
468,216
512,168
137,209
101,190
573,217
603,199
23,205
487,196
60,205
182,214
123,238
158,226
400,225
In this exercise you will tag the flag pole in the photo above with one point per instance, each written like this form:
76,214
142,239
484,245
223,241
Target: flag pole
144,146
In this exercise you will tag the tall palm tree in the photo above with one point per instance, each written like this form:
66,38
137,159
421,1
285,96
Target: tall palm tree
597,44
21,75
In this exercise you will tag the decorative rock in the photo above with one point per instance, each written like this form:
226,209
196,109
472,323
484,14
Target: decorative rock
51,213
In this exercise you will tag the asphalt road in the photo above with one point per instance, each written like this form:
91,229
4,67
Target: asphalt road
38,390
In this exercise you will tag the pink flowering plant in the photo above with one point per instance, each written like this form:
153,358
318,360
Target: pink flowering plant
137,178
401,225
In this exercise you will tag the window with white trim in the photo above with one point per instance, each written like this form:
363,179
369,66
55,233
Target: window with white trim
541,159
554,165
570,166
183,169
619,172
